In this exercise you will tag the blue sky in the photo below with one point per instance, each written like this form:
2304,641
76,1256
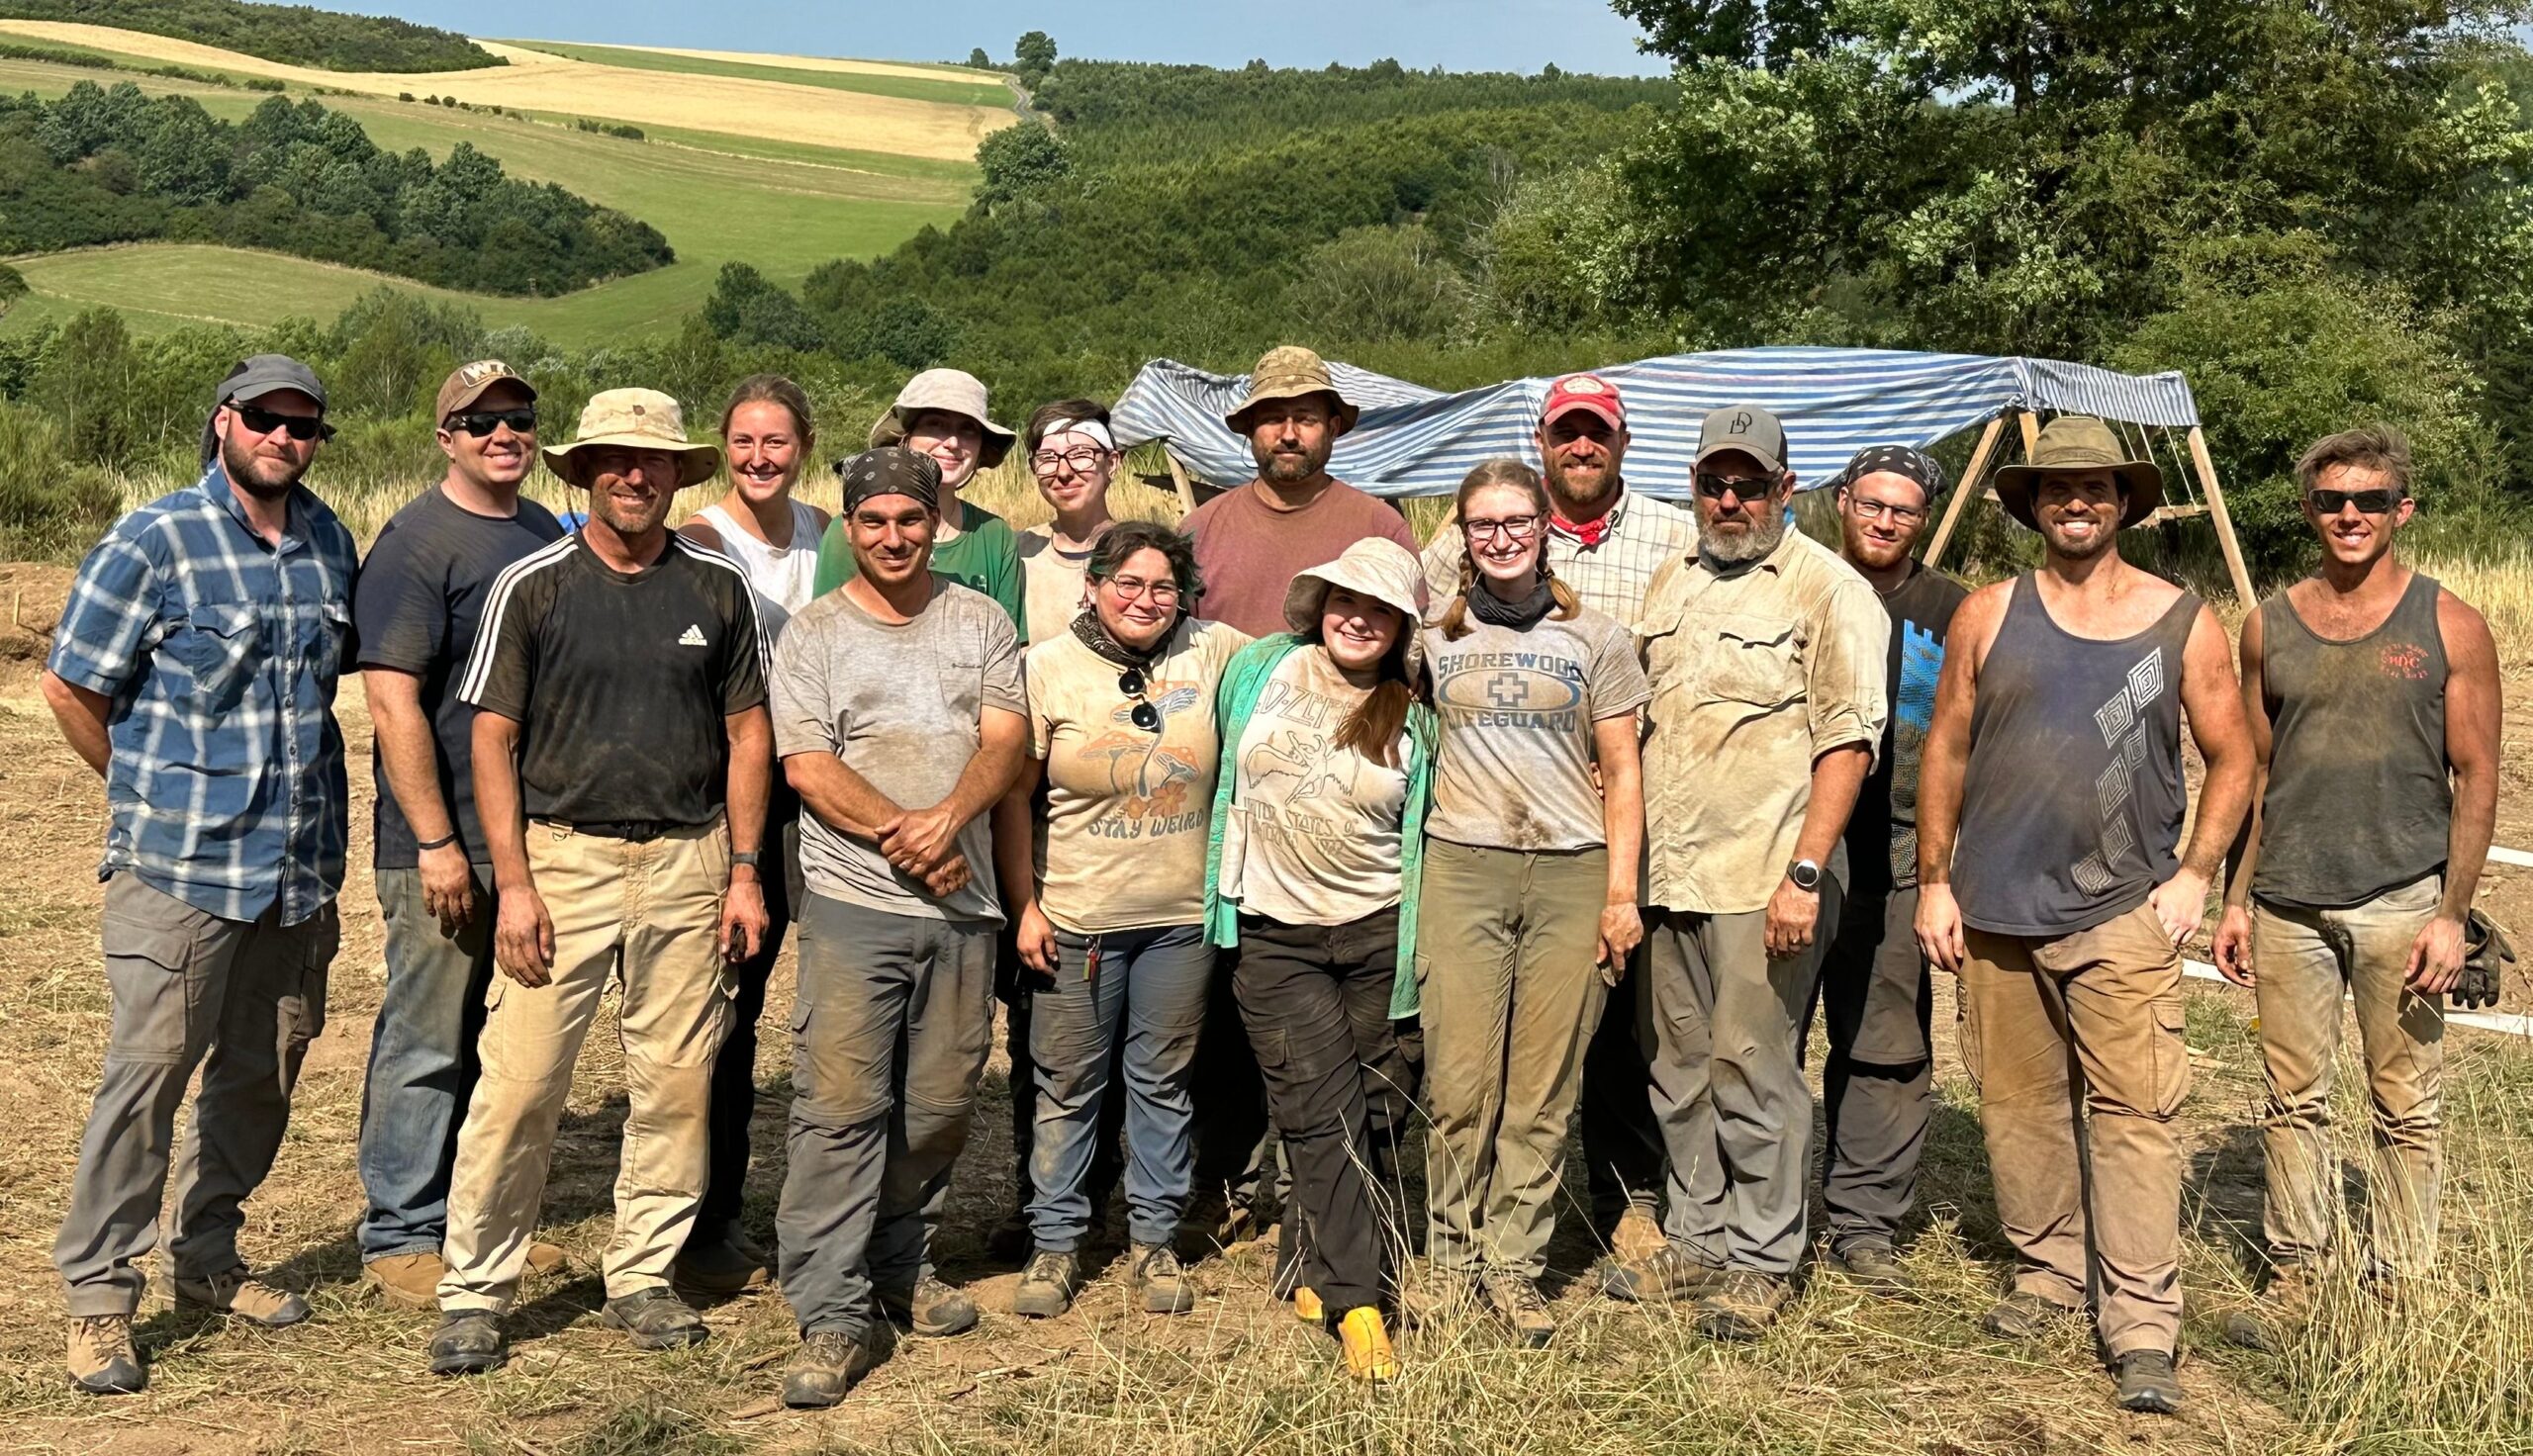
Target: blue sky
1457,34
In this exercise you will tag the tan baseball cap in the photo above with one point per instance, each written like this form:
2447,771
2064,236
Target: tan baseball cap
468,383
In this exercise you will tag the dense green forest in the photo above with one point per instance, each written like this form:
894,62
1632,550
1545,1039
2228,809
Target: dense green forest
101,165
296,34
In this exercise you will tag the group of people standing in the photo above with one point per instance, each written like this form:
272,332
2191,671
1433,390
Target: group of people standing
1274,838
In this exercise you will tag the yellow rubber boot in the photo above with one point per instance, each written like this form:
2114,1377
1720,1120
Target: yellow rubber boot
1367,1343
1307,1305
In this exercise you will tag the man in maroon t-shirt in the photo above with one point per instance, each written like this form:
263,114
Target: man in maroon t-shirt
1251,541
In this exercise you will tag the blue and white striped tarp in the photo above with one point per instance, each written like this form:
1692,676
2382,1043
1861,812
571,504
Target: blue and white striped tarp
1416,441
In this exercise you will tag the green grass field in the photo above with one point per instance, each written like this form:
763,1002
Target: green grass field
953,92
719,198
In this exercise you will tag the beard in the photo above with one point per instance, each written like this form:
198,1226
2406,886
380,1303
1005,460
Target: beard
259,476
1573,497
1745,547
1280,468
2080,550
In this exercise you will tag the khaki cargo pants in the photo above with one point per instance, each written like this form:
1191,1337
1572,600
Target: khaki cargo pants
2076,1045
646,916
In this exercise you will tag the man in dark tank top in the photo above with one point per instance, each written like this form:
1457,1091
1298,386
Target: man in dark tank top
2050,806
2374,700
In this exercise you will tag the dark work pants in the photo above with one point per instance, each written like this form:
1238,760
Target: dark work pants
1877,1005
1314,1000
734,1067
1622,1142
1231,1105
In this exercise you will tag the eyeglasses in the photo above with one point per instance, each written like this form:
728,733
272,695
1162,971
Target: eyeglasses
1876,510
1144,716
1519,528
1748,488
1162,593
482,422
1080,457
302,428
2377,501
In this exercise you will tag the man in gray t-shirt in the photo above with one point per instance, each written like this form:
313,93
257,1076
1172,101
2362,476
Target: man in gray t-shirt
899,720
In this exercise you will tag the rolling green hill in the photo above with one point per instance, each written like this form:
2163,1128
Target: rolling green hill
948,89
295,34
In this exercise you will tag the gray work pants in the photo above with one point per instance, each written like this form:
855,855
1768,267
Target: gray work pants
1878,1084
247,995
1727,1082
890,1032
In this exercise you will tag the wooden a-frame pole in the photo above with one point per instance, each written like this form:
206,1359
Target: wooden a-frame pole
1968,487
2224,522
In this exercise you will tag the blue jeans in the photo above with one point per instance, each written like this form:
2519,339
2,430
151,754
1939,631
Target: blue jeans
1148,988
422,1064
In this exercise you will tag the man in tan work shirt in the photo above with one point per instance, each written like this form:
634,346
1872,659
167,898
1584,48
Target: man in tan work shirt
1765,652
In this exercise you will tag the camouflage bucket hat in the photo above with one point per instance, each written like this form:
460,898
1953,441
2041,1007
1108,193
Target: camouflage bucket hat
1291,372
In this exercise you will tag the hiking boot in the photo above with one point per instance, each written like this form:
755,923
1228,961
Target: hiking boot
825,1366
2146,1383
656,1319
2268,1321
467,1343
239,1293
1872,1264
546,1258
721,1261
1008,1244
1307,1305
1518,1303
406,1281
2024,1315
1638,1236
1365,1341
1048,1285
102,1360
1742,1305
931,1309
1239,1222
1672,1273
1154,1276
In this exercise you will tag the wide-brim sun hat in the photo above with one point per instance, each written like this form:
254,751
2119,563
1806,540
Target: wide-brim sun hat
637,419
1291,372
952,392
2078,442
1376,567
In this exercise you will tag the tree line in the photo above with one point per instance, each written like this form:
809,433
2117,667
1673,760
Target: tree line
295,35
113,165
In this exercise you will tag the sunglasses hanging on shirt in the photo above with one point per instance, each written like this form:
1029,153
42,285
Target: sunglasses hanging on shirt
1144,716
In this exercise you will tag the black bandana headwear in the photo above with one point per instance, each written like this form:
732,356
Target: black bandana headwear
1906,460
891,470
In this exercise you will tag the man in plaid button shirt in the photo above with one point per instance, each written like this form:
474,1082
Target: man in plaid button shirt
194,669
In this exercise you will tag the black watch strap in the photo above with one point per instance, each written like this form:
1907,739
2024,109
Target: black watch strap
753,858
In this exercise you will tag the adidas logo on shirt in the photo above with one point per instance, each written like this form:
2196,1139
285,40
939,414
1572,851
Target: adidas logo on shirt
694,637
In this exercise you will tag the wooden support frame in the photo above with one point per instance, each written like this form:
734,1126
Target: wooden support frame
1967,488
1178,477
2224,522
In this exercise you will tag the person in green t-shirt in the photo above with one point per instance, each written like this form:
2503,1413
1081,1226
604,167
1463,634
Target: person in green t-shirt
941,413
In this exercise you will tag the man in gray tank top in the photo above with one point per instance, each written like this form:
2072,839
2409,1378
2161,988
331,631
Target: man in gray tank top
2374,700
2054,765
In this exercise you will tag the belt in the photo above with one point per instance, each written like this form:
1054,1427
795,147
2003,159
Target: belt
635,830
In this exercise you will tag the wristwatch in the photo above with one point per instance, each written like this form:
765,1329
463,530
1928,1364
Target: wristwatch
750,857
1806,873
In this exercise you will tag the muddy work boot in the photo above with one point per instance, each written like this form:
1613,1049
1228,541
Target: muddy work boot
1673,1273
1638,1236
545,1259
2271,1321
238,1294
406,1281
1047,1286
2024,1315
102,1360
1742,1305
1871,1264
467,1343
1154,1276
656,1319
1516,1302
2146,1383
825,1366
721,1261
931,1309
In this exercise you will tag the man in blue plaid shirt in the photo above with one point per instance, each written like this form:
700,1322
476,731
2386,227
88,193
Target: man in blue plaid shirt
194,669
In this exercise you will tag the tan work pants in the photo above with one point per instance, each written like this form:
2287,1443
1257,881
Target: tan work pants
2303,959
646,916
2079,1037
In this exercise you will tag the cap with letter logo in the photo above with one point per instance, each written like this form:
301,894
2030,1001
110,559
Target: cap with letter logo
1748,428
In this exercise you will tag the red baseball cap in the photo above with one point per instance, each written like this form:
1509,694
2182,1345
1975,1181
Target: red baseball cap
1585,392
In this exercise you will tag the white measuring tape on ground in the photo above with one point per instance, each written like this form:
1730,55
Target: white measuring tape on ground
2484,1021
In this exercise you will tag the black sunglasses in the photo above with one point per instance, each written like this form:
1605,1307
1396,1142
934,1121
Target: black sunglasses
1748,488
482,422
1144,716
300,426
2377,501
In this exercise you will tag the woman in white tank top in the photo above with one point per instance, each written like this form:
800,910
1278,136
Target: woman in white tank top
765,435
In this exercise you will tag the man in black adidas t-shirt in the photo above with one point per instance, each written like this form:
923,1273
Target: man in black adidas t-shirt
623,758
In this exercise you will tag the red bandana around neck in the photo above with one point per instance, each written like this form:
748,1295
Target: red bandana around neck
1586,534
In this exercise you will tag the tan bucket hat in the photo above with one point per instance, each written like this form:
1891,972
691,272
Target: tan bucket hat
638,420
1376,567
953,391
2080,442
1289,372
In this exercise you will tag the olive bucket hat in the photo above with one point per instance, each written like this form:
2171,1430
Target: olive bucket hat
637,419
2077,442
1291,372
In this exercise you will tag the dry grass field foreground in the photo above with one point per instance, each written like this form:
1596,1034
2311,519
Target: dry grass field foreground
2447,1368
541,82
